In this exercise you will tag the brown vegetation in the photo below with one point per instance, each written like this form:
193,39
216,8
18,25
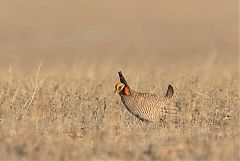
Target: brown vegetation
66,110
77,117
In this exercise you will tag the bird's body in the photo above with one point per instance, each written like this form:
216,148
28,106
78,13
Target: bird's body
147,106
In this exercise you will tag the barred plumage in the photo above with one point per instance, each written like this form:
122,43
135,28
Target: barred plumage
146,106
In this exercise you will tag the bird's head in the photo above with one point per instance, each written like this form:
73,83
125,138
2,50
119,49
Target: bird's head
119,87
122,89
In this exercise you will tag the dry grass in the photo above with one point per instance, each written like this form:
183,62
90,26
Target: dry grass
68,111
76,116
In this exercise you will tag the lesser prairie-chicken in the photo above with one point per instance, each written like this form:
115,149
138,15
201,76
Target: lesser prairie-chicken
147,106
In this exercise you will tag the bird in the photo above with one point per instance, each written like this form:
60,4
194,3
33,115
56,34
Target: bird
147,107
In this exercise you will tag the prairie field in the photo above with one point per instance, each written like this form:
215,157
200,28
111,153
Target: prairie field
76,116
58,70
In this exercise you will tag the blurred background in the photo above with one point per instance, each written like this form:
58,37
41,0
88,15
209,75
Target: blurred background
118,34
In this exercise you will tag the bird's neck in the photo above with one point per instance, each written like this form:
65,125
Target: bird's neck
126,91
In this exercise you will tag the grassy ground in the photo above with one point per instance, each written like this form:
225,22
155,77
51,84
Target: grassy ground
73,115
69,111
